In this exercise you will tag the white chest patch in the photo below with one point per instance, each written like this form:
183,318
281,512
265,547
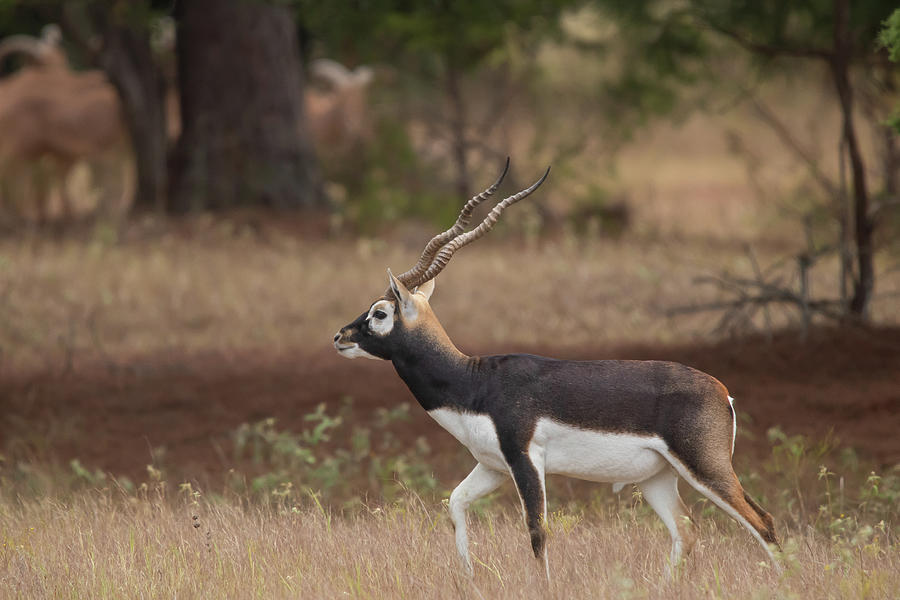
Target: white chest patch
475,432
596,456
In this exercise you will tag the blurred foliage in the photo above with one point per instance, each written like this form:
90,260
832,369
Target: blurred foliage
668,47
650,58
597,212
385,182
889,38
658,48
773,26
30,16
662,46
459,34
17,16
444,45
638,60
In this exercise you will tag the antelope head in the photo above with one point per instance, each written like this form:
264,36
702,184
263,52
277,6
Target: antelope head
403,312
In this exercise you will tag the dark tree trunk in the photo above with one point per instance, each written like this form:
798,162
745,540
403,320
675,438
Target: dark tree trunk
840,67
889,137
458,124
244,139
128,61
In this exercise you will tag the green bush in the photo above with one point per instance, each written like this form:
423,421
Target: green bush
329,464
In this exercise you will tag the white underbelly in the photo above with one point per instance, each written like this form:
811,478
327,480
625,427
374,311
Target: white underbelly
596,456
475,432
563,449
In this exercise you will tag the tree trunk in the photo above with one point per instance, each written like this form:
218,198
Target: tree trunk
244,140
127,59
458,130
840,68
889,137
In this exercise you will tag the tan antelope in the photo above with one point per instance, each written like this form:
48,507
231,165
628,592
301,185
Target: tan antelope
43,52
524,416
48,110
338,113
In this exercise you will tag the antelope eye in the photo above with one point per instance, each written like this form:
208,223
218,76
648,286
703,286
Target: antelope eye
379,314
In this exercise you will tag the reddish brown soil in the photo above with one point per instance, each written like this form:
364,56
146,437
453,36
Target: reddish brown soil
110,417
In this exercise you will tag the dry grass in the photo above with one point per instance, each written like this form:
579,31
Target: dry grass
223,287
99,546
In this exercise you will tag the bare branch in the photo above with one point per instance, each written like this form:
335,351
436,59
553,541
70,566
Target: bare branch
760,279
824,307
750,295
788,139
771,50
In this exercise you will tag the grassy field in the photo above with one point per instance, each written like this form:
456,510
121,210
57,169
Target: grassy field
368,521
166,543
221,285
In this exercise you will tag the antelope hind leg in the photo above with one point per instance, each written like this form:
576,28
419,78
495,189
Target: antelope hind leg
661,493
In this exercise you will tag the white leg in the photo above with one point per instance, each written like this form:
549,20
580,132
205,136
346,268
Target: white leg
661,493
479,483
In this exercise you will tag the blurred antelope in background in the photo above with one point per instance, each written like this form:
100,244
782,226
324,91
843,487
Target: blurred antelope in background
49,112
523,417
337,106
45,51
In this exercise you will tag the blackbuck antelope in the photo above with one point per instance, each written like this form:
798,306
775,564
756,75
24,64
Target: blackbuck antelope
523,416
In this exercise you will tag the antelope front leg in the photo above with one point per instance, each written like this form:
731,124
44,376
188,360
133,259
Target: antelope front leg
528,473
479,483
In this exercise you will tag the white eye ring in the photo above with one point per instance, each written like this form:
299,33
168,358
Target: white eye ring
379,315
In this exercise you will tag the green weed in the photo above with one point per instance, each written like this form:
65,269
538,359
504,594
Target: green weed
325,462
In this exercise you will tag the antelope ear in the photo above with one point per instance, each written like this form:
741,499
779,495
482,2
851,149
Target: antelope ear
426,289
407,306
363,75
400,291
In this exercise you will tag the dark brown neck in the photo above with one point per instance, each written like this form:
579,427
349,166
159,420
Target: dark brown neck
434,370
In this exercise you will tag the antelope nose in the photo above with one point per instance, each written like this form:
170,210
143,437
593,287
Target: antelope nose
337,336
